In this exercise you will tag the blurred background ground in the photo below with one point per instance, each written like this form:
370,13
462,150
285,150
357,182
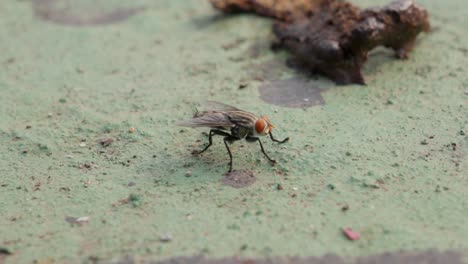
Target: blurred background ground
93,167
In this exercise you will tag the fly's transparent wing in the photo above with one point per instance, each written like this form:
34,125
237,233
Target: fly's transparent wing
242,118
212,119
217,106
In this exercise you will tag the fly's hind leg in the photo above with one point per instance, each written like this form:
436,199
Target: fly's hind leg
210,140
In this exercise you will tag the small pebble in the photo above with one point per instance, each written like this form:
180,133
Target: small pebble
82,219
350,234
50,115
188,174
82,144
131,130
165,238
77,220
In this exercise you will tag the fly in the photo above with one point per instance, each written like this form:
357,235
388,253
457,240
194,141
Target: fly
233,124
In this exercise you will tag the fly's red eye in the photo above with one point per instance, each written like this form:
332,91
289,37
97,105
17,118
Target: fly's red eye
260,126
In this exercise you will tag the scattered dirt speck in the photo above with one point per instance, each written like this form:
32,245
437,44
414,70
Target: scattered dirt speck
10,60
345,207
37,186
4,252
243,85
64,189
165,237
106,142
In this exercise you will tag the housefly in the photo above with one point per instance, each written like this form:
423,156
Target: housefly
233,124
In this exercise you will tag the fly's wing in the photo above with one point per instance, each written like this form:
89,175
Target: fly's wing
211,119
242,118
235,115
217,106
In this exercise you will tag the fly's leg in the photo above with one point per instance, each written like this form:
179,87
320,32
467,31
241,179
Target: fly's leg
253,139
210,140
276,140
264,153
229,139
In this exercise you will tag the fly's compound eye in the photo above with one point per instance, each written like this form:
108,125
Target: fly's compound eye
261,126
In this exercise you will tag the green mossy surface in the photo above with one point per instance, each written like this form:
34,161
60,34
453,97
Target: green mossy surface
386,149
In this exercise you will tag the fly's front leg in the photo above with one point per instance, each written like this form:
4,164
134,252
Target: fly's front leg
229,139
210,140
279,141
252,139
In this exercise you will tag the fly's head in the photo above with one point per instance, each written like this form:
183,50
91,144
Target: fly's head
263,126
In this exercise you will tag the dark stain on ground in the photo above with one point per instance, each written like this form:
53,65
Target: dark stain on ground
422,257
294,93
71,13
239,178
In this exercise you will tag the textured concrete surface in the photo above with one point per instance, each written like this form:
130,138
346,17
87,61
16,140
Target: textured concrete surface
93,167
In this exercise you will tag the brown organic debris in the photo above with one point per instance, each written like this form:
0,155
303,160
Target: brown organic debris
333,37
288,10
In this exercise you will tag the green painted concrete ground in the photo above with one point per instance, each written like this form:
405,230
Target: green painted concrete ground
393,151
